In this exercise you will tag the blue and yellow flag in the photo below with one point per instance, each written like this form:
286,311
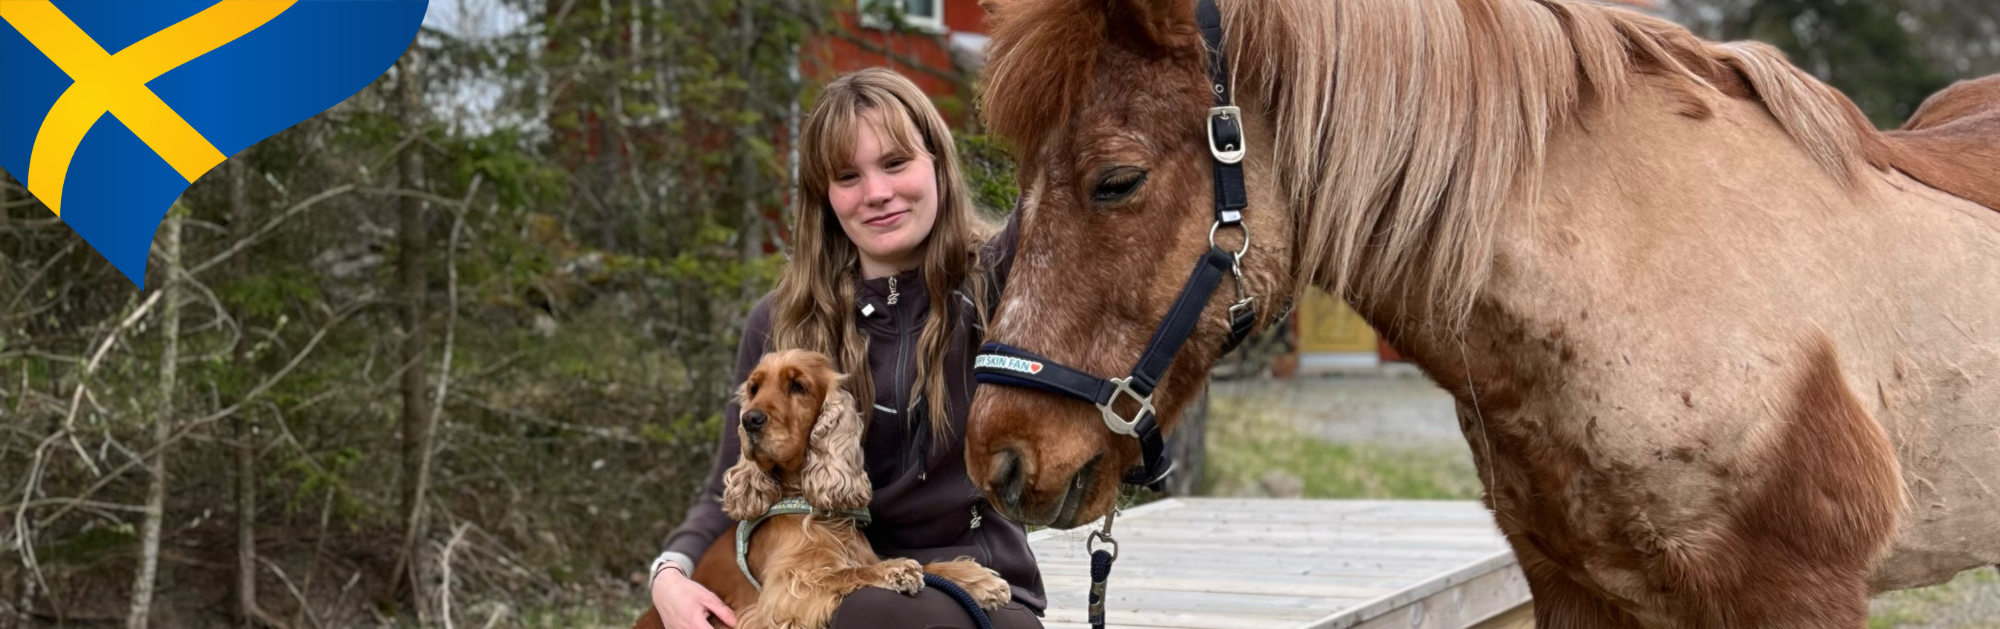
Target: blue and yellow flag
114,107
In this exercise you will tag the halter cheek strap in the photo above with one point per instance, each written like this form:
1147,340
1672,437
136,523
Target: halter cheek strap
1002,364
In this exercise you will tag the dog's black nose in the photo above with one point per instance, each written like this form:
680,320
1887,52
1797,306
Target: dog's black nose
753,420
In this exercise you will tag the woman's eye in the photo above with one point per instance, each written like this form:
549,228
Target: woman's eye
846,177
897,164
1117,185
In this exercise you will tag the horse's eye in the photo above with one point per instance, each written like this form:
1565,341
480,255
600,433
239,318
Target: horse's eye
1117,185
798,387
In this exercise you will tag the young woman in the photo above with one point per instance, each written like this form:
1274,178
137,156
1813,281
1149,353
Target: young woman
888,264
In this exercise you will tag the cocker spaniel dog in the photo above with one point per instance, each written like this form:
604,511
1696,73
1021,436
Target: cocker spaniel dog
801,438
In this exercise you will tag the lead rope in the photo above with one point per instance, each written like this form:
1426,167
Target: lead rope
1100,568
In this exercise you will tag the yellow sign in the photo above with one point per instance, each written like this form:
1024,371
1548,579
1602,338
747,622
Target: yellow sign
1328,325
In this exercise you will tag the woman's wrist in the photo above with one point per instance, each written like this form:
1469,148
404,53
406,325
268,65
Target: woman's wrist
667,561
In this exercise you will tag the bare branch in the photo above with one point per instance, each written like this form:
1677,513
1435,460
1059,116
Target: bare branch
272,224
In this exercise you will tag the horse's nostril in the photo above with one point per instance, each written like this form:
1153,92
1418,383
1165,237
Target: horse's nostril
753,421
1006,480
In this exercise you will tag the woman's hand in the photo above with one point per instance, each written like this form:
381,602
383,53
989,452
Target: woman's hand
684,604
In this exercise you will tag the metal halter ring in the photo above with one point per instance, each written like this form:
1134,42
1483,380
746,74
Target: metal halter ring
1113,420
1090,545
1239,251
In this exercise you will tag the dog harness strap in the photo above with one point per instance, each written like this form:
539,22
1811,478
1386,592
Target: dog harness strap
794,505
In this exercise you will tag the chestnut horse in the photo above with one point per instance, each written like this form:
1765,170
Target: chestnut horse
1724,354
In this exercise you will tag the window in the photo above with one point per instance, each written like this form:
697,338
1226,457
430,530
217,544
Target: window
922,15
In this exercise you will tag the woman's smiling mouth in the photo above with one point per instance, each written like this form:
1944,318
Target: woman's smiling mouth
886,220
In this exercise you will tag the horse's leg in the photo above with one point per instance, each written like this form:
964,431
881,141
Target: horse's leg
1562,603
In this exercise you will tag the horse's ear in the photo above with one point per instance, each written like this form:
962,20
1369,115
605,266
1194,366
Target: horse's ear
1159,22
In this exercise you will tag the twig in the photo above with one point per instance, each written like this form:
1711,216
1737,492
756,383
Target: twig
271,225
106,479
296,595
82,382
444,566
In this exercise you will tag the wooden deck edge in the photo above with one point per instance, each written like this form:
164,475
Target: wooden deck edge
1162,504
1474,592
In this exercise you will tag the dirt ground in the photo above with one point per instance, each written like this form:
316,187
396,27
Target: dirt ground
1400,413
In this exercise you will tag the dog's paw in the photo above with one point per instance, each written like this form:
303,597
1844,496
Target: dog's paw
989,591
986,587
903,575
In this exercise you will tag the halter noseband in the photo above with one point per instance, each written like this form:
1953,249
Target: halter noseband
999,363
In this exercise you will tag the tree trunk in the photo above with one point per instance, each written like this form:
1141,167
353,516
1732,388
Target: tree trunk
746,164
156,489
1189,446
413,243
241,430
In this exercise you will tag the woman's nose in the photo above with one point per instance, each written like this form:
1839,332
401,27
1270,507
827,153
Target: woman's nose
875,189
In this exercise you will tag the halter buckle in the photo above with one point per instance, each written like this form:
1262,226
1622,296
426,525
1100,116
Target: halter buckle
1225,124
1113,420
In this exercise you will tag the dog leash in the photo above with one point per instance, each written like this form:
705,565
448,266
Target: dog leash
1100,568
789,506
964,599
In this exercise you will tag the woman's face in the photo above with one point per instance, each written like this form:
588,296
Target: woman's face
886,200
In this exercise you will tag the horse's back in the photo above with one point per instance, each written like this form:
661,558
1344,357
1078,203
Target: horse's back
1952,143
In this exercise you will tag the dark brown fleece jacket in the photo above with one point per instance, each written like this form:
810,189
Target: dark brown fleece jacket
925,507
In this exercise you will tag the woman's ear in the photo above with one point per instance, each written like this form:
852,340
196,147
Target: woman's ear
834,478
747,491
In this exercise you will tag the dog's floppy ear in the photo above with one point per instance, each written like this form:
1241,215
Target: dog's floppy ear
834,478
747,492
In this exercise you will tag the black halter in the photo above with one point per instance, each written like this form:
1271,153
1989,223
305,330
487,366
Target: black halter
1003,364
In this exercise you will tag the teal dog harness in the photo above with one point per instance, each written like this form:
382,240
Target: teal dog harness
790,506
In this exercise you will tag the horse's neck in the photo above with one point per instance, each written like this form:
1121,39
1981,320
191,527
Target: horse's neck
1667,244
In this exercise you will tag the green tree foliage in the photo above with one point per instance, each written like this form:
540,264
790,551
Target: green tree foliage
1887,55
603,183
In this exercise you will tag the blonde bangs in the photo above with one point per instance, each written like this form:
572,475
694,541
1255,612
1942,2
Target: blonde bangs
836,132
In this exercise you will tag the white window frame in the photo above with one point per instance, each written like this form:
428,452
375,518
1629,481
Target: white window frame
928,24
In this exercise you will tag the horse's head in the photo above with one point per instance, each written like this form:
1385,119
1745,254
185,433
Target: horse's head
1108,108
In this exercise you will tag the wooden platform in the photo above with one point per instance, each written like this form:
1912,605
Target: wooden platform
1264,563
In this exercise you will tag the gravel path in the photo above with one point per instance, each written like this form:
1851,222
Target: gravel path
1396,410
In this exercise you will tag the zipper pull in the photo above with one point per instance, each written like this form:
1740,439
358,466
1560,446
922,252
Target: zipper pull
975,516
892,290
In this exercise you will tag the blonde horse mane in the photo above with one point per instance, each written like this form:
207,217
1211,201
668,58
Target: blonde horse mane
1403,128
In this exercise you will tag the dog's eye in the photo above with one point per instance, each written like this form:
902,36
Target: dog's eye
798,387
753,389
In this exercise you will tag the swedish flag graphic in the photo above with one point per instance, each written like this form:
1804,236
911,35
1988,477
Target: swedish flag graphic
114,107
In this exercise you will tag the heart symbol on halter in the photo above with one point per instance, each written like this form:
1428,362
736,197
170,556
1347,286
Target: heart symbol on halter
114,108
1034,367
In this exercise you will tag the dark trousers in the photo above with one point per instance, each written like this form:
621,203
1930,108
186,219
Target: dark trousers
931,608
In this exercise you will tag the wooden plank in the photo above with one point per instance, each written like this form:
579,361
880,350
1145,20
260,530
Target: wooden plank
1207,563
1450,601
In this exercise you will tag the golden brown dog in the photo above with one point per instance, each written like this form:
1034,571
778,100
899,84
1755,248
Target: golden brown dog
801,436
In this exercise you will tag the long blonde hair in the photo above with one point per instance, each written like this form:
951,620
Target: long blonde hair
814,305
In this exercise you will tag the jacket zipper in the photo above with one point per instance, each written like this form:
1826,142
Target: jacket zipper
980,539
902,354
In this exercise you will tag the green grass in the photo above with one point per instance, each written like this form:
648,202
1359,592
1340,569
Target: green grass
1924,607
1245,442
